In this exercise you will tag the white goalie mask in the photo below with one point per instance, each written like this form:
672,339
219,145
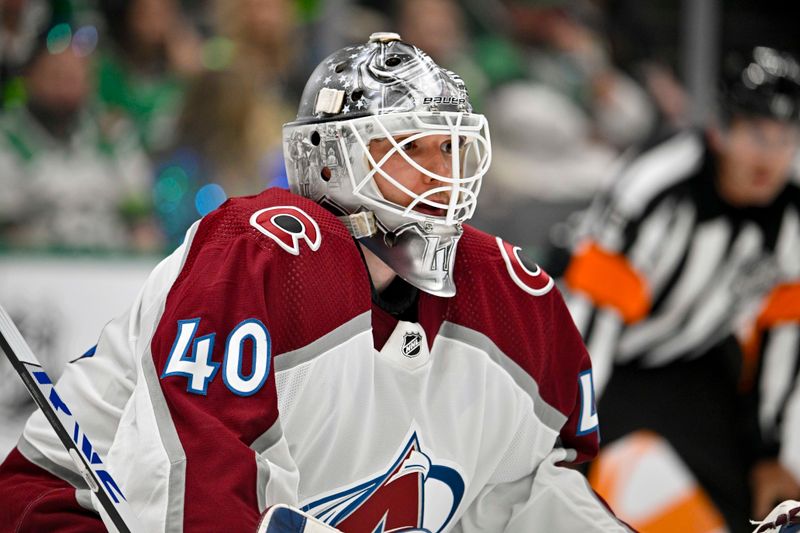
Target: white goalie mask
391,93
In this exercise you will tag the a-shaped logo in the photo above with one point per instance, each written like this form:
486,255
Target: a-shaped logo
413,494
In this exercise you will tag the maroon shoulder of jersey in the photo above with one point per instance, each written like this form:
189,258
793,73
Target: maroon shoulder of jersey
296,256
265,275
508,298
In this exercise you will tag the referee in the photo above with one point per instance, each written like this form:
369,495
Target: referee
699,237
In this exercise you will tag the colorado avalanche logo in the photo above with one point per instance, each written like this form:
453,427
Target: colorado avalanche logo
413,494
288,225
534,281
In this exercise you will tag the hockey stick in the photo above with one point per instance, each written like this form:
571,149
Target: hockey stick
86,459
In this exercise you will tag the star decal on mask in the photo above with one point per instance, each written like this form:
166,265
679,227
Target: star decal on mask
361,103
327,80
346,109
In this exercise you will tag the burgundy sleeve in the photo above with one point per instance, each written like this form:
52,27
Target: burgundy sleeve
33,500
574,393
240,299
216,311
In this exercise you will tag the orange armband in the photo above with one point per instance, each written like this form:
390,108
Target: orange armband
609,280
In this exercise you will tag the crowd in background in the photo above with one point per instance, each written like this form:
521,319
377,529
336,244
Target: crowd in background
125,121
122,122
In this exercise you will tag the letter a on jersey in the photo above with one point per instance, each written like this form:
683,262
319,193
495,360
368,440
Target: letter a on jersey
414,493
288,225
528,277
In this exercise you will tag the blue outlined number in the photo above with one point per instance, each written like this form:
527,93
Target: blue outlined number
200,370
587,422
199,367
254,331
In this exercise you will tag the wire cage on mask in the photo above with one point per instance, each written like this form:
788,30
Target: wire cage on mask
470,156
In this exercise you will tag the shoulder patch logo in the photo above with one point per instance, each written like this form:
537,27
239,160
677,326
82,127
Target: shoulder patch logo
530,278
288,225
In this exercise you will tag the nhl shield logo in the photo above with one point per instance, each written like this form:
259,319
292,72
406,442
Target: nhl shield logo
412,343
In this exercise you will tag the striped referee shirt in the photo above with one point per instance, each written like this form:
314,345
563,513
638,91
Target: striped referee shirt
666,269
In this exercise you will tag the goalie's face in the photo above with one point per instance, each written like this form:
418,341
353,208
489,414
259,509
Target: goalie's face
434,153
425,167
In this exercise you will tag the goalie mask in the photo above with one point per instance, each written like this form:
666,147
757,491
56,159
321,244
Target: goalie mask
364,112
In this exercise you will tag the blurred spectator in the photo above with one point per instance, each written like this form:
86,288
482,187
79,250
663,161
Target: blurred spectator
642,37
69,180
561,119
228,135
438,28
142,77
668,94
562,48
228,123
228,143
545,148
20,22
267,53
699,236
267,43
356,21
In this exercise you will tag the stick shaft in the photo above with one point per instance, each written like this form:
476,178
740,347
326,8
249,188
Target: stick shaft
58,414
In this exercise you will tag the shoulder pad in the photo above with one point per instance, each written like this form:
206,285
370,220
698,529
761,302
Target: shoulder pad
479,247
524,272
276,217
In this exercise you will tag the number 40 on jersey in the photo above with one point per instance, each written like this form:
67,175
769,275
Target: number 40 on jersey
249,338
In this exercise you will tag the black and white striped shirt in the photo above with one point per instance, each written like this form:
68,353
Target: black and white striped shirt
667,269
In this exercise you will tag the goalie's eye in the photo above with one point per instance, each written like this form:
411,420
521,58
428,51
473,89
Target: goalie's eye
410,146
447,146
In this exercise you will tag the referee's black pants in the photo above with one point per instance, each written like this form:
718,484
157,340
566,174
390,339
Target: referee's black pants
696,407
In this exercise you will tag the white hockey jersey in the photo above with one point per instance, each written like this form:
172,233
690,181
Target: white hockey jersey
253,370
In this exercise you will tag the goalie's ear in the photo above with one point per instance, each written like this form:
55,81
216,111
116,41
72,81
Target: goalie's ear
282,518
